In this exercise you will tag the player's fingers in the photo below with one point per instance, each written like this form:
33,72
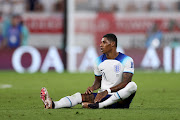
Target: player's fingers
91,91
88,91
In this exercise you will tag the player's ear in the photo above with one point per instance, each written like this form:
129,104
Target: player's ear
113,44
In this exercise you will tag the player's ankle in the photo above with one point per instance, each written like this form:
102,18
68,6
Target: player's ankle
53,105
101,105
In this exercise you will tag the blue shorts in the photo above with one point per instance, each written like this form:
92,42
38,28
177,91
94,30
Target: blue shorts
121,104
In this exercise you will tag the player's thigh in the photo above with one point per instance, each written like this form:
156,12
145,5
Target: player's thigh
123,103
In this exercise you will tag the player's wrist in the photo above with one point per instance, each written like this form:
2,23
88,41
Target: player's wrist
92,88
109,90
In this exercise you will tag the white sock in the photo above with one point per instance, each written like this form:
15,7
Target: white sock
114,98
68,101
130,88
122,94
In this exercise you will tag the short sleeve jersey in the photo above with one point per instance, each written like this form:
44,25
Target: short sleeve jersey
111,70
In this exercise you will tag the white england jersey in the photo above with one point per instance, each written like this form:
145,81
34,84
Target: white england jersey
111,70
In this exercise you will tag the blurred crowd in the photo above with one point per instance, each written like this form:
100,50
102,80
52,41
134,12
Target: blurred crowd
129,5
154,37
13,31
22,6
49,6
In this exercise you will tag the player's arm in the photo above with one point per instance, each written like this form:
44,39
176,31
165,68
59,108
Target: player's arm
127,77
96,85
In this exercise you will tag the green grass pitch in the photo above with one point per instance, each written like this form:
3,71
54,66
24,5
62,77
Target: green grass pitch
157,97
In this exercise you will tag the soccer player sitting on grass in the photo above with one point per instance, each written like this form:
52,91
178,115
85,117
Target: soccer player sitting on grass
113,74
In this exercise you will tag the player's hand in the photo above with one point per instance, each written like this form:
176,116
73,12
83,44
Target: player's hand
89,90
100,96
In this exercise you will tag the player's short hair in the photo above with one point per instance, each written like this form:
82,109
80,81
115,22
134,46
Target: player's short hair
111,37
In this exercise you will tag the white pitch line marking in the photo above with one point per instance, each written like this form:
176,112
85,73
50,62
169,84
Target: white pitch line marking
4,86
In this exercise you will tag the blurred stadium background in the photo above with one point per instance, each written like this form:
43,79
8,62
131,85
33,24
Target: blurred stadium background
65,34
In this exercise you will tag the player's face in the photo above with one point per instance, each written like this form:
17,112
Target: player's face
105,45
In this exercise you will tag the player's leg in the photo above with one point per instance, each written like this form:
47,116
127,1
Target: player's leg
88,99
122,94
122,103
68,101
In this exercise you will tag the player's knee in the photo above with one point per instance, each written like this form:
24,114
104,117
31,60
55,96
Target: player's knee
132,87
